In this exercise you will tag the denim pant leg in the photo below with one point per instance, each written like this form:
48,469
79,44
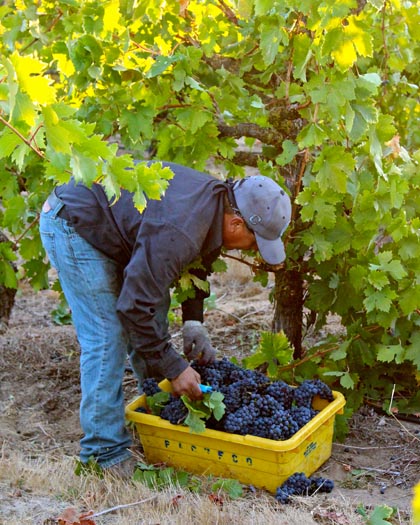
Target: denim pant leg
91,283
138,364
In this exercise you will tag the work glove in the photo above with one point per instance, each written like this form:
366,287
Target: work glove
197,343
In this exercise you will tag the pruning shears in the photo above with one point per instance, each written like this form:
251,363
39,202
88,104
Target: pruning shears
205,388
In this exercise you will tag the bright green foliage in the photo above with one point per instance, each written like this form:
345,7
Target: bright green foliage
379,515
158,477
199,411
232,487
274,350
156,402
184,286
324,95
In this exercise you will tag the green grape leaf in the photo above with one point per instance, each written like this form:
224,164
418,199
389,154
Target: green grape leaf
379,515
274,350
157,401
8,276
15,213
8,142
333,167
214,400
197,413
341,352
192,119
323,249
219,265
6,251
84,168
263,7
289,152
389,265
231,486
389,353
311,135
379,300
58,136
94,147
272,35
378,279
138,122
413,353
409,299
161,64
302,55
347,380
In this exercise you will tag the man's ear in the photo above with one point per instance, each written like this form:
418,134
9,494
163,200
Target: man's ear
236,222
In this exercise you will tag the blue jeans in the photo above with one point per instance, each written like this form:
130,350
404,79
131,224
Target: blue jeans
91,283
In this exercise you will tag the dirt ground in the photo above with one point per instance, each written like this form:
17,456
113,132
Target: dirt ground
379,462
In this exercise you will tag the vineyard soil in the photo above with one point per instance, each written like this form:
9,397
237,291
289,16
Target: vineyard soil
379,462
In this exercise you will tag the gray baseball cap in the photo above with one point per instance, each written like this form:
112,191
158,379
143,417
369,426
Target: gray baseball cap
266,209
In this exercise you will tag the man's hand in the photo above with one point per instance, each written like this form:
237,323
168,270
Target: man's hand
197,343
187,383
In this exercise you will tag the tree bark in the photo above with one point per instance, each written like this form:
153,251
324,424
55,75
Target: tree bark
288,307
7,298
285,122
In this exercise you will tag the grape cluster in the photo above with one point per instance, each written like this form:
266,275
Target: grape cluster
150,386
308,389
253,404
174,411
299,485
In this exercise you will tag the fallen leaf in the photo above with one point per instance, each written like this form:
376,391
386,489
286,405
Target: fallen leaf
71,516
175,500
68,517
85,518
214,498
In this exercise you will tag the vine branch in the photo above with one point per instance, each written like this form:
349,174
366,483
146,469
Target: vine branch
256,267
247,129
22,235
228,12
22,138
48,29
321,353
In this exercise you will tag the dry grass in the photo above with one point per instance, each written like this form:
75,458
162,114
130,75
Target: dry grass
36,492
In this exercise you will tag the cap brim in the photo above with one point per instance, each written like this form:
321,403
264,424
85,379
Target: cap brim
272,251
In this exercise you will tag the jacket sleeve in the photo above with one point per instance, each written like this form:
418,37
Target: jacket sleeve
160,253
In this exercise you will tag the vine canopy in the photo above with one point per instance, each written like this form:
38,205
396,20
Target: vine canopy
320,95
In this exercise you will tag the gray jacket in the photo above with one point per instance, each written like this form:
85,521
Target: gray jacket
153,248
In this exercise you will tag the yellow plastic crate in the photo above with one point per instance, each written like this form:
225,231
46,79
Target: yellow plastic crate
261,462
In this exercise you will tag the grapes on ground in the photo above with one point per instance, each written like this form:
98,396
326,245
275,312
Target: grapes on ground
299,485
